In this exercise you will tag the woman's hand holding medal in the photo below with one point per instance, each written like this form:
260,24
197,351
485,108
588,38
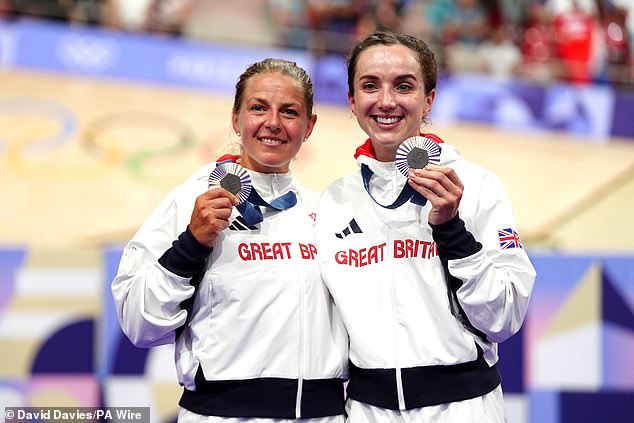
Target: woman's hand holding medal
442,187
229,185
211,214
418,159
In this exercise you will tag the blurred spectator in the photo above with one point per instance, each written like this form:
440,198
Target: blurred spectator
615,47
109,14
230,21
513,13
426,19
379,15
6,8
167,16
501,57
465,30
468,23
292,23
493,12
88,12
131,14
537,44
334,24
574,33
627,7
416,21
439,13
44,9
557,7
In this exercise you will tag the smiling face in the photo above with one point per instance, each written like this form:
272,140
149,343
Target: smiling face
273,121
389,99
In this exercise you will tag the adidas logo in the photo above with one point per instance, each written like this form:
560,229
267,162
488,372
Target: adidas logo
239,224
352,227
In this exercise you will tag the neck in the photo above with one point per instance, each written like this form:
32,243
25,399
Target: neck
384,154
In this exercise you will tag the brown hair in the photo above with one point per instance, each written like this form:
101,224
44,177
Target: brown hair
282,66
426,57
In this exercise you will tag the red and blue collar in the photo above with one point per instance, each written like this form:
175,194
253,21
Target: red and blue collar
233,158
366,148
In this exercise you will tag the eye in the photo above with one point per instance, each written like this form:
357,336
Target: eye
290,112
256,108
368,86
403,87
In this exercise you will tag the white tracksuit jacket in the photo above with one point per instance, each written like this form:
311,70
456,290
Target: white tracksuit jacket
424,307
255,329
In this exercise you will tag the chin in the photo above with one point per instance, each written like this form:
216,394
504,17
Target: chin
389,144
275,167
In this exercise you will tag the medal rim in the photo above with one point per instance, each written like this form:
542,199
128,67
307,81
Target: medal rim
429,145
222,169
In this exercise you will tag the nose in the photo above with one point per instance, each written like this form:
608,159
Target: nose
386,99
273,121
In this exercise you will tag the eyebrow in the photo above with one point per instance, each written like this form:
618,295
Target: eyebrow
261,100
398,77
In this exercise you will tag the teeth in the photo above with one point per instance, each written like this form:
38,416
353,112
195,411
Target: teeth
387,120
271,141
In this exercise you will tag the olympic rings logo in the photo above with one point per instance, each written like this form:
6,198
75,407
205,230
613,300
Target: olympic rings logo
33,130
132,139
67,124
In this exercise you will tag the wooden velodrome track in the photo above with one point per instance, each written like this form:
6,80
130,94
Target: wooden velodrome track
83,162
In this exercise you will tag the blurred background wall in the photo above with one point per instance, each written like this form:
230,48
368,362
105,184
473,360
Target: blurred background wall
107,105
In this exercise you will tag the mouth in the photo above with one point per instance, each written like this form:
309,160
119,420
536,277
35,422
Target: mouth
271,141
387,120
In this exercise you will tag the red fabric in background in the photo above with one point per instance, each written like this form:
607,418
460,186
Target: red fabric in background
573,39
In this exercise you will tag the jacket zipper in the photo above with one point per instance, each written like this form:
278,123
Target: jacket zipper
302,341
399,381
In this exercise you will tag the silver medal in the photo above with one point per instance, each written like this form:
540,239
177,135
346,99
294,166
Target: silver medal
415,152
232,177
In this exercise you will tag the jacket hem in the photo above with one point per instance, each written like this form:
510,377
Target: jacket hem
265,398
423,386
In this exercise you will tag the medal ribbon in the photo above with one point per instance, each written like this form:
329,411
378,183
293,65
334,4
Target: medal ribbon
250,209
407,193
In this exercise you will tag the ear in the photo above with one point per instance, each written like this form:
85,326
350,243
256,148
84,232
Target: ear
351,101
234,123
311,125
429,101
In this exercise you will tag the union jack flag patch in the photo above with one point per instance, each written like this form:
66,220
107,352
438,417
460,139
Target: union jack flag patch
509,239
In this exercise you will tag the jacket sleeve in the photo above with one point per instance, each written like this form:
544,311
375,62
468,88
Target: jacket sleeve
154,277
495,284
